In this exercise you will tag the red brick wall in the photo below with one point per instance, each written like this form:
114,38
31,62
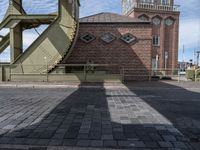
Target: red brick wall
168,36
135,56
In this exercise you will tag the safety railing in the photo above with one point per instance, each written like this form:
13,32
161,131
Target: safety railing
65,72
87,73
150,6
151,74
168,73
157,7
136,74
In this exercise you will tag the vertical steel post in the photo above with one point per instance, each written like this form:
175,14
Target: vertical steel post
84,72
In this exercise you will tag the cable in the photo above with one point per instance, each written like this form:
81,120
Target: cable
36,31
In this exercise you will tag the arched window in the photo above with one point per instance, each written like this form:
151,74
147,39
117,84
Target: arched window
143,18
156,21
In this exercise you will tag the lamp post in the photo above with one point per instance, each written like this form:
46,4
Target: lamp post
45,58
198,56
166,58
157,58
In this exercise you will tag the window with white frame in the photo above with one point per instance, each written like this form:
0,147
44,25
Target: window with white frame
146,1
165,2
156,40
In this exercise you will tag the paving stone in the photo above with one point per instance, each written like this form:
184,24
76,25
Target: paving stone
58,136
19,141
155,137
9,127
119,136
84,143
124,143
29,141
95,135
83,136
43,142
47,135
137,144
107,137
54,142
38,148
151,145
71,135
96,117
109,143
96,143
169,138
6,140
179,145
34,135
69,142
165,144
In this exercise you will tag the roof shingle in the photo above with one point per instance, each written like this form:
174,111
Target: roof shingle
110,18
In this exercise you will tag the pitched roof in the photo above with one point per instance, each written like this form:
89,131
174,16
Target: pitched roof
110,18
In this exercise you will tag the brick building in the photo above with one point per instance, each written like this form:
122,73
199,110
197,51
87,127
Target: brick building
145,36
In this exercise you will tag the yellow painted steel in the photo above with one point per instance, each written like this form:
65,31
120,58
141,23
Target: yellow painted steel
4,43
53,44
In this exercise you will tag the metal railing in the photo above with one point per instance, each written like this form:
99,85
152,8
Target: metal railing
169,73
87,73
66,72
145,74
150,6
157,7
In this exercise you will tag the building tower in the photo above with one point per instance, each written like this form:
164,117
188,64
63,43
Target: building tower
164,16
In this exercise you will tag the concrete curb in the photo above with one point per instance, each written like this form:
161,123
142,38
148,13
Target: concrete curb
61,85
26,147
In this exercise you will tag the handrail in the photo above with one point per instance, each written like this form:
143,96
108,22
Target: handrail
150,6
24,17
61,65
157,7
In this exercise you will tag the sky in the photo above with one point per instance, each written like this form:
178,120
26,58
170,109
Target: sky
189,20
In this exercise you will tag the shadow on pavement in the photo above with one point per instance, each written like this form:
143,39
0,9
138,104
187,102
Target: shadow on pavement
141,115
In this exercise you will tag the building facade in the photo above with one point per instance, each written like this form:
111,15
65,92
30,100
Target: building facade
153,27
143,38
164,16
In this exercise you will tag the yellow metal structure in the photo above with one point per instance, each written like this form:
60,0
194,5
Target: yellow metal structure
50,48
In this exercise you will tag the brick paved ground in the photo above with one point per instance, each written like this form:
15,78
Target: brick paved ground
142,116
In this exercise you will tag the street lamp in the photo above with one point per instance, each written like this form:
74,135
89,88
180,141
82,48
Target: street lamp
45,58
157,59
166,58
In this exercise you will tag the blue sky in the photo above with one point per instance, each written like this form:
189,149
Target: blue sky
189,21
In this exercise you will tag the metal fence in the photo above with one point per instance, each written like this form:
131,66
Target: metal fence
87,73
65,72
151,74
168,73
